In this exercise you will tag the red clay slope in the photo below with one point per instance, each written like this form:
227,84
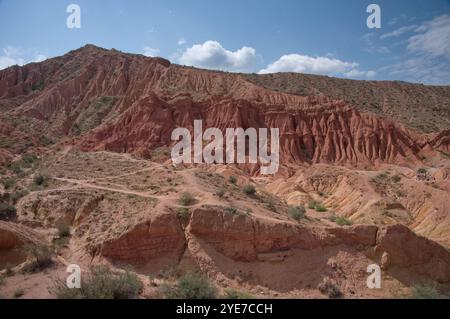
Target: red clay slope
132,104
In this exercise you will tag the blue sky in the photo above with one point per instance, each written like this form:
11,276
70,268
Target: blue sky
315,36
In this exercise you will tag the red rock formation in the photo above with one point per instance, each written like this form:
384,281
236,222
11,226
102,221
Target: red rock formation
244,238
159,241
153,97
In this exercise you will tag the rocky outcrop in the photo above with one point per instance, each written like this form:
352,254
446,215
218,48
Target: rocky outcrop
159,241
244,238
13,235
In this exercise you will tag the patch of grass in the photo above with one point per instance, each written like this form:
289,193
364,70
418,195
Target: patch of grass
231,210
318,206
233,179
186,199
101,283
236,294
191,286
249,189
321,208
426,292
341,221
296,212
7,211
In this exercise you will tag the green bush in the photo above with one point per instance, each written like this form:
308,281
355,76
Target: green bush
422,170
184,213
191,286
101,283
321,208
342,221
312,204
233,179
296,212
249,189
425,292
186,199
7,211
318,206
40,180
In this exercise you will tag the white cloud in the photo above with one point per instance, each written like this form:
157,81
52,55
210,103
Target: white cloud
373,48
16,56
355,73
39,58
433,37
421,69
211,55
315,65
150,52
398,32
181,41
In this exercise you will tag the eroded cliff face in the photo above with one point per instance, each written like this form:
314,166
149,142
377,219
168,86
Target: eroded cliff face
396,248
132,103
220,243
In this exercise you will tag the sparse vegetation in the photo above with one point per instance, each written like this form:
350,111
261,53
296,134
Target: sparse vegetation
231,210
191,286
40,180
236,294
101,283
184,213
7,211
221,192
233,179
9,182
41,258
296,212
18,195
318,206
63,229
329,288
341,221
249,189
186,199
422,170
426,292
